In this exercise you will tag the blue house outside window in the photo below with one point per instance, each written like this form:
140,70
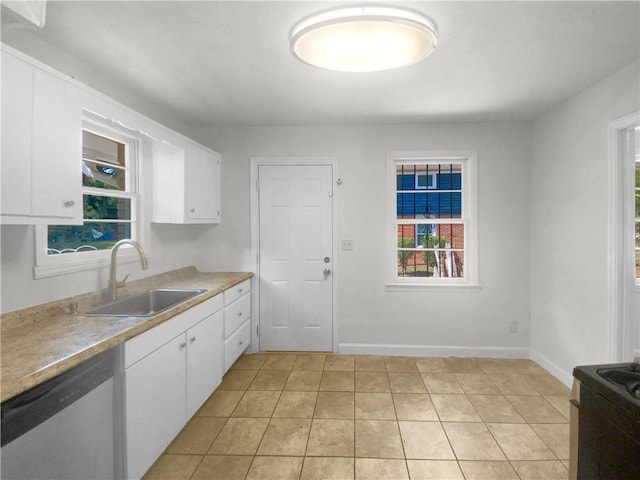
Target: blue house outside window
444,201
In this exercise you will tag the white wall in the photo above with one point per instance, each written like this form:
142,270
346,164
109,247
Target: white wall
453,323
569,221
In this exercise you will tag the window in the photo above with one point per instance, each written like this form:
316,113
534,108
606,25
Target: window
110,203
425,181
433,215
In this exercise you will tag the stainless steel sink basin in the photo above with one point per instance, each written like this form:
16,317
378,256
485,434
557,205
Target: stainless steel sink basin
145,304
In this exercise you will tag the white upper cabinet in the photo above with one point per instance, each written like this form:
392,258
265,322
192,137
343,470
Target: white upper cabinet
41,146
186,184
41,169
17,116
203,184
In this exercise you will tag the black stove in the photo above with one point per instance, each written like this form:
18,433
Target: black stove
609,422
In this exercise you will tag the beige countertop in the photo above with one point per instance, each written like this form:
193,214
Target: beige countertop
41,342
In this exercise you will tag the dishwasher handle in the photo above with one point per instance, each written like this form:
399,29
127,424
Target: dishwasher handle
32,397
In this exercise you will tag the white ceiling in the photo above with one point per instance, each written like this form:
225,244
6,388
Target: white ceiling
210,63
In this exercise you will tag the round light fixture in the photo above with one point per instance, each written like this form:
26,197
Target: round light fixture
363,39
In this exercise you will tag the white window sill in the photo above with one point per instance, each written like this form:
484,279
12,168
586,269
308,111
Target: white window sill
79,262
432,287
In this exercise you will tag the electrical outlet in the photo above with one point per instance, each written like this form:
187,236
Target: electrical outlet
347,244
513,327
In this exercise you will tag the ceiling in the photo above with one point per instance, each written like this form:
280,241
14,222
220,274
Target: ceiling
211,63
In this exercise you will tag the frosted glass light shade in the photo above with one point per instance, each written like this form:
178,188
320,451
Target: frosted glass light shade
363,39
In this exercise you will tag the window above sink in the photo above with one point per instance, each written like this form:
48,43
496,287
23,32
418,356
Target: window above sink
108,172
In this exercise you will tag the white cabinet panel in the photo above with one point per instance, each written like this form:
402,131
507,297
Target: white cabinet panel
57,148
17,102
237,321
204,361
41,146
186,184
236,344
236,314
233,293
203,184
155,405
168,183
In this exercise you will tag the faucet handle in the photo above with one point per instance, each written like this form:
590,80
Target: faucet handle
120,284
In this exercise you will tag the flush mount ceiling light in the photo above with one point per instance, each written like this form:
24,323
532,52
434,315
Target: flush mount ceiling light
363,39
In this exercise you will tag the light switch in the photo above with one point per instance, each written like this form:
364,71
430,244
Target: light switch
347,244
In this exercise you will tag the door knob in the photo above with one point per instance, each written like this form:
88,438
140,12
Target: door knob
326,272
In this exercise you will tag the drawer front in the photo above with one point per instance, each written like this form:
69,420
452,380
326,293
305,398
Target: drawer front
236,314
233,293
236,344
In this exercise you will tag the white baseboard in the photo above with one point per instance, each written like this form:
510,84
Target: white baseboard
432,350
562,375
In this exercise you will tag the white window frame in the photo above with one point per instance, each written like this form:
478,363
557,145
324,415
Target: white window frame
468,160
624,287
432,186
51,265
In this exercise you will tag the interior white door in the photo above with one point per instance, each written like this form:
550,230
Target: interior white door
296,257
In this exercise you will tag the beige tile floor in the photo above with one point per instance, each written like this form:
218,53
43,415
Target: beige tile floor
308,417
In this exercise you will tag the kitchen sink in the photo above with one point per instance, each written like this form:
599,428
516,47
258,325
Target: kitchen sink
145,304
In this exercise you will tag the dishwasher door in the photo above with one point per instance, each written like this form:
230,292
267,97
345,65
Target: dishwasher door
63,428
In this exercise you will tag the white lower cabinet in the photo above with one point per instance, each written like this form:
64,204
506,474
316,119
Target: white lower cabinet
155,402
204,365
237,322
236,344
169,371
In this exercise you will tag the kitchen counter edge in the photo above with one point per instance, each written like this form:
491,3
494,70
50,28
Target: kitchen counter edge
36,351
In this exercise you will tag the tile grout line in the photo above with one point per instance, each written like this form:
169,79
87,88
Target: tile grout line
428,396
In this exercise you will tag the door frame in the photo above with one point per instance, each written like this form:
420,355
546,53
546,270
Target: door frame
623,291
256,162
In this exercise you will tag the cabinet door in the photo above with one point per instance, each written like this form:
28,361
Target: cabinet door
203,184
17,108
155,405
41,146
204,361
168,183
57,149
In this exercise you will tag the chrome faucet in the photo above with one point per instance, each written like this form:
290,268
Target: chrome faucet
114,284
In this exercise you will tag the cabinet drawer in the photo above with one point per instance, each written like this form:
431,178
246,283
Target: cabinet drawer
236,314
232,294
236,344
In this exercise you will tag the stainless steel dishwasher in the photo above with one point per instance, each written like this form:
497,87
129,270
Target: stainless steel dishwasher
64,427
